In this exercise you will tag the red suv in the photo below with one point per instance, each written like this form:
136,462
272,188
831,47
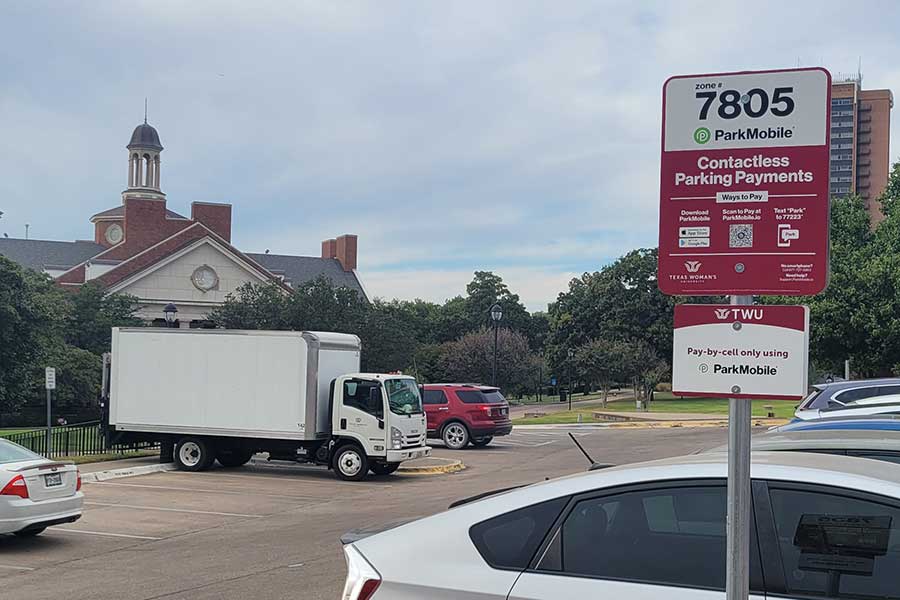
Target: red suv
459,413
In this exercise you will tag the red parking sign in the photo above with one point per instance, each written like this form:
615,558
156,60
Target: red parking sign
744,206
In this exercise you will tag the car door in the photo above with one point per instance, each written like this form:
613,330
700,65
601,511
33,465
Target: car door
436,408
663,540
830,543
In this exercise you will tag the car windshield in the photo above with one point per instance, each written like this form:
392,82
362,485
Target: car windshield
403,396
10,453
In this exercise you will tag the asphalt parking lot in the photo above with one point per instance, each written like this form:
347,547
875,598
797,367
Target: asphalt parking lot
272,531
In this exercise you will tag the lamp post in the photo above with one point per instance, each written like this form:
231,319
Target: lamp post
571,354
496,315
170,311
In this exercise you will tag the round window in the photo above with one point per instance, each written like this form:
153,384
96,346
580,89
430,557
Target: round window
114,233
205,278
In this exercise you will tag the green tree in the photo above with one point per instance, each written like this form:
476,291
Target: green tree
602,362
94,313
487,289
253,306
470,359
32,313
619,302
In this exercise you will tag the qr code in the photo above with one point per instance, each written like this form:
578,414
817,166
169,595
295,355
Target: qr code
740,236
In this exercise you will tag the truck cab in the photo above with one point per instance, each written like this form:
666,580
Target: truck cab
378,421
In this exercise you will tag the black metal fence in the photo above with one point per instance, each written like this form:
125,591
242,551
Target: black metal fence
73,440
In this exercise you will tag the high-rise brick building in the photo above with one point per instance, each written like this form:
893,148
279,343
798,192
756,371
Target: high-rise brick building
860,141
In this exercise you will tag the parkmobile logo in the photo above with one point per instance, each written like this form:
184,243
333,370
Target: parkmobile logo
692,266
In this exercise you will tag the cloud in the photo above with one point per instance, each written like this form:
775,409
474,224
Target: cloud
451,137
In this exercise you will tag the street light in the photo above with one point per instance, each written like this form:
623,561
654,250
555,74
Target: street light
571,354
496,315
169,311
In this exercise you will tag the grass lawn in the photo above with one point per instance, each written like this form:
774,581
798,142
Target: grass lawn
664,402
529,400
18,430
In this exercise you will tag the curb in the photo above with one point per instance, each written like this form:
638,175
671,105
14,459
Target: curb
100,476
757,422
453,466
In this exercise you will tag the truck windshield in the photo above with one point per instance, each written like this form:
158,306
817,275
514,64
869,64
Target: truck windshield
403,396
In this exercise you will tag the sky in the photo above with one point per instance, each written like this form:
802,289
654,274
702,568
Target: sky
513,136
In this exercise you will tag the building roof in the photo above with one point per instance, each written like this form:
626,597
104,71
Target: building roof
119,211
40,254
298,270
145,136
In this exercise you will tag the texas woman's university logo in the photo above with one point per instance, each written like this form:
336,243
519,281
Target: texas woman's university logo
692,266
723,313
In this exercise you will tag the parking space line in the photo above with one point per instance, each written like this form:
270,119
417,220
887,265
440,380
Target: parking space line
177,510
15,568
300,469
104,534
207,491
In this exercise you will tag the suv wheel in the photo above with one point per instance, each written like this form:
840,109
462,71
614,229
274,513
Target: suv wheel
455,436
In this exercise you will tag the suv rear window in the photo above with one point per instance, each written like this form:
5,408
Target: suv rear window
509,541
479,397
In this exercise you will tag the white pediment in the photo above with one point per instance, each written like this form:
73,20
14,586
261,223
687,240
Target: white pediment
173,278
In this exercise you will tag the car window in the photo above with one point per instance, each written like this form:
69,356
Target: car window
668,536
837,546
510,540
10,452
357,393
856,394
434,397
479,397
888,390
470,396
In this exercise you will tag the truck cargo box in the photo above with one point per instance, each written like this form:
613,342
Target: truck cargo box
253,384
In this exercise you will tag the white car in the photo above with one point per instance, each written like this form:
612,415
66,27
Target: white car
876,405
35,492
825,526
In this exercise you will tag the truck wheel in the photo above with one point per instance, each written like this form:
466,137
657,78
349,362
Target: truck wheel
193,454
233,458
455,436
384,468
482,442
350,463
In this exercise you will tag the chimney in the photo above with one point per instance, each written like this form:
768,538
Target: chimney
329,249
345,251
216,217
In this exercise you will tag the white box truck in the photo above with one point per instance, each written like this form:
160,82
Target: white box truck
223,395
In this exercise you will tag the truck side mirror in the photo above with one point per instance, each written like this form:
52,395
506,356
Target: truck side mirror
422,392
376,406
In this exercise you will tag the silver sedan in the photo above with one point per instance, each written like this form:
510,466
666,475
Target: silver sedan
35,492
824,526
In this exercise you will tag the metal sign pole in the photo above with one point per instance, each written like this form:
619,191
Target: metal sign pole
49,426
737,586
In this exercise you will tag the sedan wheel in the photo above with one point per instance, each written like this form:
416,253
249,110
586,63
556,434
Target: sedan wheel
456,436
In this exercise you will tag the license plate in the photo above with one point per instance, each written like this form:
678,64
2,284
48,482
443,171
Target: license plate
53,479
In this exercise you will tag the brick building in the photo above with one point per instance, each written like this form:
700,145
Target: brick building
144,249
860,142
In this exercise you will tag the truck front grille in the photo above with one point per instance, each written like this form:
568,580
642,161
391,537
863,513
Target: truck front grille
414,441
